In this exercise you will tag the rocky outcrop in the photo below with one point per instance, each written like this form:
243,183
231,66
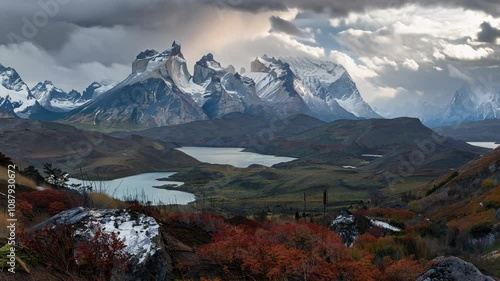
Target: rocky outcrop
6,114
453,269
157,93
140,234
348,227
230,69
207,68
219,102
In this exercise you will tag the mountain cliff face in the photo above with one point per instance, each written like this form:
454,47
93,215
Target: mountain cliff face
226,91
320,88
157,93
470,103
331,83
15,96
96,89
274,82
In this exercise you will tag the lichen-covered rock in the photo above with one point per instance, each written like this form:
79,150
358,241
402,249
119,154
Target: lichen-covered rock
139,233
453,269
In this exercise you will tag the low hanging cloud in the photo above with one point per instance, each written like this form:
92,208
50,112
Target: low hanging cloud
283,26
388,46
488,33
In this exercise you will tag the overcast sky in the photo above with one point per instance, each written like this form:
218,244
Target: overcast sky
404,55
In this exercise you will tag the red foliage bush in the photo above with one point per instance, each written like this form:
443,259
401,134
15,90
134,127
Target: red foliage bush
365,241
56,207
53,246
25,208
98,256
42,199
403,270
289,251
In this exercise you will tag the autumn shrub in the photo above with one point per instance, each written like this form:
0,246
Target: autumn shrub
367,242
488,183
403,270
241,221
41,200
99,256
56,207
421,228
53,246
288,252
25,208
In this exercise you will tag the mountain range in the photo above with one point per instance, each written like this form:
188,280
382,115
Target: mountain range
44,101
160,91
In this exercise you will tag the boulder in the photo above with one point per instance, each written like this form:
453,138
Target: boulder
140,234
453,269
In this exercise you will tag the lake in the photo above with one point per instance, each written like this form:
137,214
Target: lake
140,187
491,145
232,156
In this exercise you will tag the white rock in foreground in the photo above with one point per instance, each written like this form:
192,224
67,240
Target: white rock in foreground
140,234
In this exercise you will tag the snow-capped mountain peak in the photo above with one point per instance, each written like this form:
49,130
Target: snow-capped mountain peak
469,103
96,89
325,88
42,89
207,68
15,95
208,61
160,91
55,99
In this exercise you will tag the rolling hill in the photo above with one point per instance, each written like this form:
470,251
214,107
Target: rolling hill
32,142
479,131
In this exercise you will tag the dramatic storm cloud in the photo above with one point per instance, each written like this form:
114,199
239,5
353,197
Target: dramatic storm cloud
405,56
488,33
280,25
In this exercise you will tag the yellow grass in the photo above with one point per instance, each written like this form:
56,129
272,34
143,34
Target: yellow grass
103,201
3,223
20,179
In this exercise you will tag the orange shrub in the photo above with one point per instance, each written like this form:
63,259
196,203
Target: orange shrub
288,251
403,270
56,207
